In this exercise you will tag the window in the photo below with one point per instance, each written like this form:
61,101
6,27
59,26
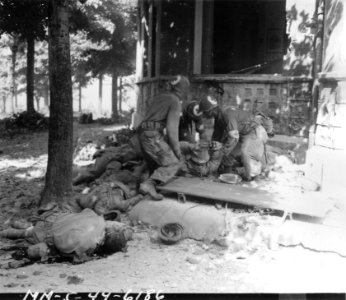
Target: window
243,36
176,32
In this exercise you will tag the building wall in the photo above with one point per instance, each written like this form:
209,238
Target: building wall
327,158
285,97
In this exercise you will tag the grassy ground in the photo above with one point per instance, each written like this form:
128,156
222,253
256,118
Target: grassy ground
151,265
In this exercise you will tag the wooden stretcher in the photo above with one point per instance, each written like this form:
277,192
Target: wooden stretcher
310,204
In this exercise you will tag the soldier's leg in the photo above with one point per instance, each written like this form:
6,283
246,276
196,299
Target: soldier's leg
154,146
252,151
13,234
231,161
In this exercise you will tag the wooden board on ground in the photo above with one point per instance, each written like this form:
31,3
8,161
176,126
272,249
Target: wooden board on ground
310,204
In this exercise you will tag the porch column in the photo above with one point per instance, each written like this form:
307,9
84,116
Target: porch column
158,38
140,43
326,160
197,47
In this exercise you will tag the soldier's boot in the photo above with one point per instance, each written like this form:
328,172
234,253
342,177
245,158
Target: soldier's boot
81,178
148,187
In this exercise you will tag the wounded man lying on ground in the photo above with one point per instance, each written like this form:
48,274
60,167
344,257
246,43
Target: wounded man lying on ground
202,158
118,191
76,235
120,155
110,196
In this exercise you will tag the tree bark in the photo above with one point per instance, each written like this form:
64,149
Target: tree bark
115,95
30,73
58,185
46,96
4,102
16,97
14,50
37,103
100,93
120,94
79,97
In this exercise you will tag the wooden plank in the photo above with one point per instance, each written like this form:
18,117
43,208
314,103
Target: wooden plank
294,203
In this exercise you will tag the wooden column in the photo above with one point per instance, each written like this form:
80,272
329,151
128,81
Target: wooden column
140,43
150,44
197,48
139,61
158,38
208,32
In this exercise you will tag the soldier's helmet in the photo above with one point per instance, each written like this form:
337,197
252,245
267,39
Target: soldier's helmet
207,103
180,85
193,111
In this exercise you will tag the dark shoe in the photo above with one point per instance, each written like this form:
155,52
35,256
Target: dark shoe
46,207
148,187
80,178
259,177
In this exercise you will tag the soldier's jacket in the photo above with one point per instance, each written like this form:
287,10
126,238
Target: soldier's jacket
79,233
188,117
165,109
71,233
229,119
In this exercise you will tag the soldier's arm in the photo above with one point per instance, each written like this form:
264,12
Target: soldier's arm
231,122
173,127
199,126
232,132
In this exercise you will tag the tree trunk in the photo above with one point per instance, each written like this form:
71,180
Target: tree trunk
100,93
30,73
115,95
58,185
4,102
15,97
46,96
14,50
37,103
120,94
79,97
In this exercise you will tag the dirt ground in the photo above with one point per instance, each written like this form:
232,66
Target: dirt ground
189,266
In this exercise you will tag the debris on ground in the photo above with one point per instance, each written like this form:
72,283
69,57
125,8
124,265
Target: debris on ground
36,273
194,259
74,280
11,285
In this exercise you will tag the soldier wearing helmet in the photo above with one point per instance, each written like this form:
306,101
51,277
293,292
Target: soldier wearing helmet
190,115
233,126
163,115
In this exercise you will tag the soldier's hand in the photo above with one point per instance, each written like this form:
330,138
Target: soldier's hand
214,145
234,134
200,128
178,154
